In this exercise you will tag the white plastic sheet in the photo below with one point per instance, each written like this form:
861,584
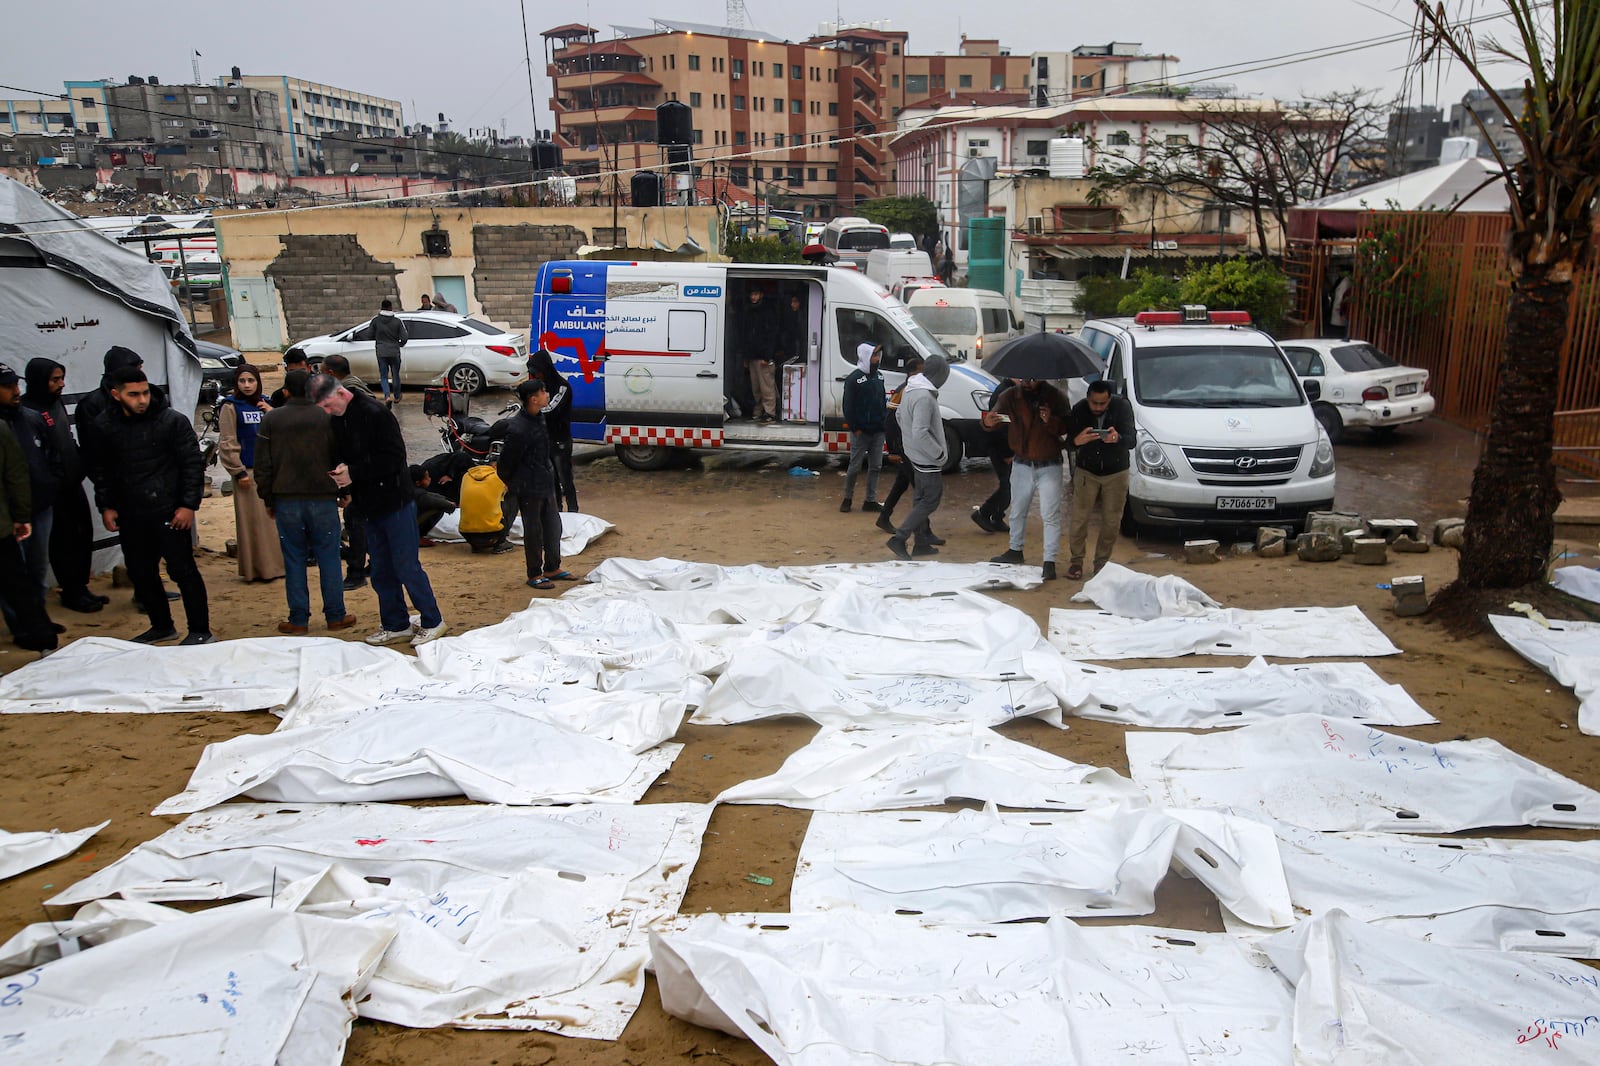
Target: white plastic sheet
985,866
1567,651
120,677
96,924
1580,581
506,918
762,682
893,578
1285,633
1337,775
21,852
244,984
1209,697
455,748
1369,997
887,769
1502,895
578,531
1131,594
821,990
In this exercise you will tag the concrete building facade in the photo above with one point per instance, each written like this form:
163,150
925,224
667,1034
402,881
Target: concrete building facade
310,112
229,127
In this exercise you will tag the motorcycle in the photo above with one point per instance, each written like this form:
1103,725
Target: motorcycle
468,440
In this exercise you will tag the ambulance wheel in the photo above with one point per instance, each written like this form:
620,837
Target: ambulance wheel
952,449
464,377
644,456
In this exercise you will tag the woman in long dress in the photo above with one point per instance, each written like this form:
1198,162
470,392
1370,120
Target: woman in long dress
260,557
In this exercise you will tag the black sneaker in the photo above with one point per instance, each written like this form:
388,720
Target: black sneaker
844,505
872,505
885,523
156,636
503,547
1010,555
197,638
1048,572
936,541
897,548
354,581
983,522
924,549
83,603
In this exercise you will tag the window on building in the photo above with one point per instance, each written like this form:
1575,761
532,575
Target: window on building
202,99
1038,147
833,108
997,82
833,175
917,85
738,137
694,99
795,107
964,81
777,71
794,175
1120,138
794,71
894,81
894,49
88,127
811,174
697,137
777,140
739,176
672,61
694,62
938,81
738,68
87,101
1084,81
756,173
170,98
1177,140
777,104
738,103
294,103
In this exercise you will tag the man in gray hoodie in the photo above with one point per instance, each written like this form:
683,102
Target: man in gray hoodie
389,336
922,444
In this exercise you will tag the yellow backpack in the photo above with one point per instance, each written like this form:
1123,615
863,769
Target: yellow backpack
481,494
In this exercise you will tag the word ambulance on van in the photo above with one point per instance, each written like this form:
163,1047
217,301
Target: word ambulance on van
653,353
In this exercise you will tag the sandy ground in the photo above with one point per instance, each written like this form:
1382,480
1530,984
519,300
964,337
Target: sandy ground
69,771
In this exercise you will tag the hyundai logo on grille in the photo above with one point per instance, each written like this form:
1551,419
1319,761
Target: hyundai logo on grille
1245,462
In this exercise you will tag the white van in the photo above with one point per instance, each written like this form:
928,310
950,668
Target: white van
903,242
887,266
967,322
1227,435
652,350
849,239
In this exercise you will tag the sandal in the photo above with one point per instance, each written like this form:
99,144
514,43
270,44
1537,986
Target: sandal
540,583
1075,572
560,575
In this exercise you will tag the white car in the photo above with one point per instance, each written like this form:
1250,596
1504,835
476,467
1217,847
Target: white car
444,348
1361,387
903,242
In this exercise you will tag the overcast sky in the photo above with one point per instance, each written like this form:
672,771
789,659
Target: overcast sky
464,57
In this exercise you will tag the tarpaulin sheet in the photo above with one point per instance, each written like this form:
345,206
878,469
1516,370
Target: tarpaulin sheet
886,769
459,748
20,852
636,720
892,578
1567,651
1215,696
95,924
244,984
1285,633
1504,895
1366,996
985,866
1336,775
727,604
828,989
1580,581
578,531
257,673
1131,594
507,918
762,682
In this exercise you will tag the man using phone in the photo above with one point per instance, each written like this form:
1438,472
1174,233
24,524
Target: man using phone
1100,429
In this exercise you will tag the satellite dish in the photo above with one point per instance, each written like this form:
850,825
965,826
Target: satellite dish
354,167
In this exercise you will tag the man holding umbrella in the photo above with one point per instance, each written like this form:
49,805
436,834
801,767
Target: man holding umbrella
1037,415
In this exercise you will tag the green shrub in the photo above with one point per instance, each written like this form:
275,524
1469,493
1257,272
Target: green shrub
1098,296
1153,291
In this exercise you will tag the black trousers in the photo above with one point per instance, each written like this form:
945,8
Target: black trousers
72,542
31,629
999,501
566,487
356,556
902,482
145,543
541,531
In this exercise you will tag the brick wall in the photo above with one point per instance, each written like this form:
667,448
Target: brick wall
506,260
328,281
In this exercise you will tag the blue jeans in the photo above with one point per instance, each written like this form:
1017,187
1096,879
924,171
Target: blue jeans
396,570
389,375
866,449
309,528
1046,481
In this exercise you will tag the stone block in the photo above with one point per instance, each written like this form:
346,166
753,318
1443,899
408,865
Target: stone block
1453,537
1242,549
1347,540
1267,536
1276,549
1409,545
1445,525
1410,595
1333,522
1371,551
1200,551
1390,528
1317,548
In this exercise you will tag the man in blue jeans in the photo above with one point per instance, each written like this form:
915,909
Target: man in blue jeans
294,454
1035,414
373,468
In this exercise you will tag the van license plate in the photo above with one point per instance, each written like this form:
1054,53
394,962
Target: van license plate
1247,503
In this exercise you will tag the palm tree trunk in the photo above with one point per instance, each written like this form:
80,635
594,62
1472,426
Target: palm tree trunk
1511,514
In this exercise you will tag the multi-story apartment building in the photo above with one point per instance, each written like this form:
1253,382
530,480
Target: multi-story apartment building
808,121
198,124
310,112
82,107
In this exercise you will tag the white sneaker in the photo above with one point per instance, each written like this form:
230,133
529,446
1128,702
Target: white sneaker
390,636
425,635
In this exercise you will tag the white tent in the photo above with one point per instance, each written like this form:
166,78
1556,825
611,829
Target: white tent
84,294
1464,182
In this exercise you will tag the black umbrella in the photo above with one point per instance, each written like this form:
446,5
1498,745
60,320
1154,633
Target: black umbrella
1042,357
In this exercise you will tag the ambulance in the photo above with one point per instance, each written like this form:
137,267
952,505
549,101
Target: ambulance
652,353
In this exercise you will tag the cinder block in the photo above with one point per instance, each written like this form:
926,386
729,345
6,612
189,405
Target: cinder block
1410,545
1371,551
1267,536
1444,526
1410,595
1347,540
1200,551
1333,522
1390,528
1317,548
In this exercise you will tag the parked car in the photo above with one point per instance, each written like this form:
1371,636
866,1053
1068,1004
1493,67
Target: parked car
219,365
1362,387
444,349
903,242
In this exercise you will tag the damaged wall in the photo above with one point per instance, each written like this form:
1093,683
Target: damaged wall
328,281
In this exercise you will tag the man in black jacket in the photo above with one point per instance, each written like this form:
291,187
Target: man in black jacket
529,475
758,347
29,627
148,482
71,539
373,467
44,480
93,407
388,337
1100,429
